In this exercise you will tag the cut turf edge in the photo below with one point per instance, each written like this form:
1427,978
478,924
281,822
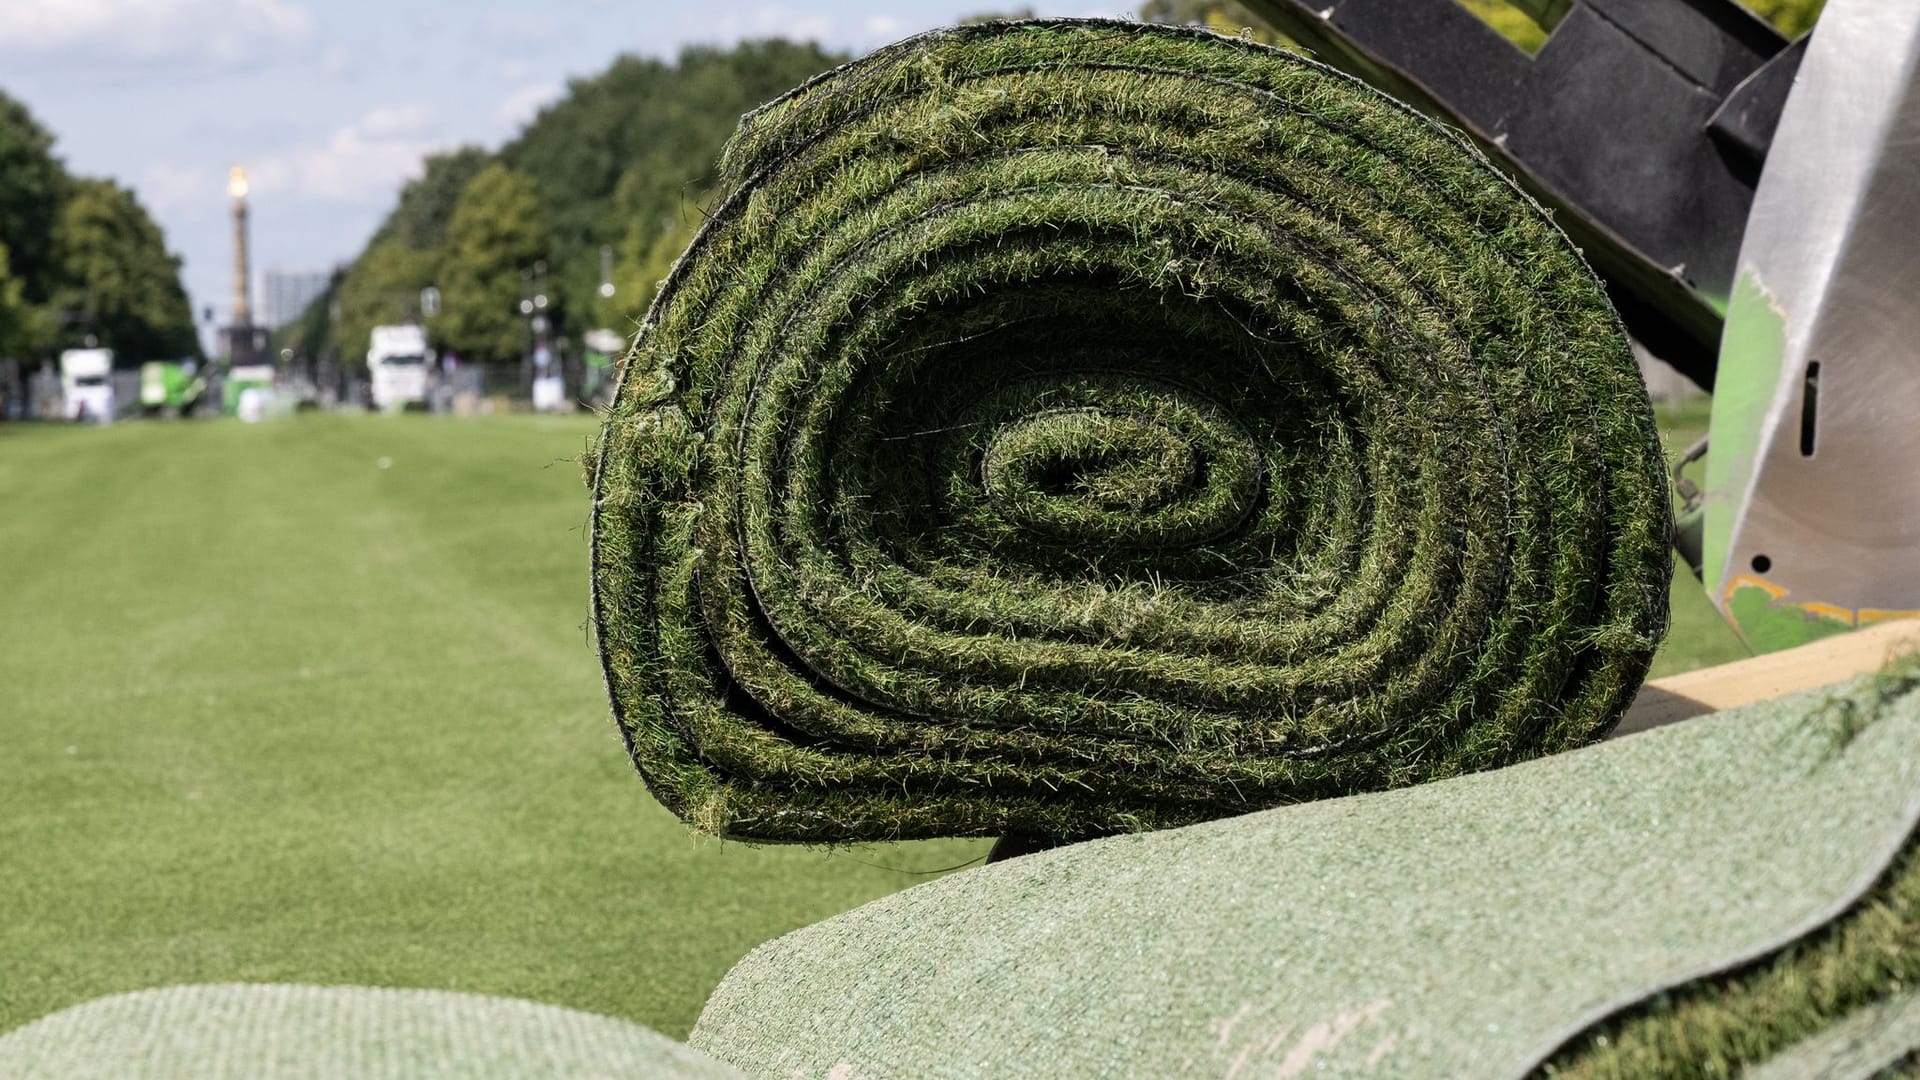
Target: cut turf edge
1717,1025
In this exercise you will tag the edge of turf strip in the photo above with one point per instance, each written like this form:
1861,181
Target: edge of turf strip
1865,1045
1701,1024
274,1031
1471,927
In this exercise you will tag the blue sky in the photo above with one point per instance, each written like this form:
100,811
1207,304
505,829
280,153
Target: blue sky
332,103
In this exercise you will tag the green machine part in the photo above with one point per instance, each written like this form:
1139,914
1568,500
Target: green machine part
601,355
1809,524
167,384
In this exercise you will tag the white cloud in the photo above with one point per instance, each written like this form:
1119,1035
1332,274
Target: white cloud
773,20
364,162
167,189
218,30
525,103
516,27
391,121
885,27
337,61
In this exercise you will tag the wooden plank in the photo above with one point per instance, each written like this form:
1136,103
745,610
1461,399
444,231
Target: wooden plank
1821,663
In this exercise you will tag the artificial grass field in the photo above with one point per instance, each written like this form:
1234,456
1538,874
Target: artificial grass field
269,712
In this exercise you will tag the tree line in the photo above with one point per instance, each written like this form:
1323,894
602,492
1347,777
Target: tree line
80,259
621,164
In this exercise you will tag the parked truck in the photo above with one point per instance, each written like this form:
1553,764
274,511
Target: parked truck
397,364
86,387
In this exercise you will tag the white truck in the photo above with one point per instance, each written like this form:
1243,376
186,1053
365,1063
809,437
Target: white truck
86,385
397,363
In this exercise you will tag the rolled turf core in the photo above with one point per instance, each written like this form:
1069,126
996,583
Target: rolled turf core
1071,427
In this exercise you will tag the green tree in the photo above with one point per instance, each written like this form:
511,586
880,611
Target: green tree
631,148
404,256
644,255
14,315
618,163
427,201
116,279
382,288
996,16
33,185
1223,16
497,232
1790,17
1523,22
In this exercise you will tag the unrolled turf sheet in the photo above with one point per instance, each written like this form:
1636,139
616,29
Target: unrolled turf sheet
1074,427
280,1032
1879,1042
1685,902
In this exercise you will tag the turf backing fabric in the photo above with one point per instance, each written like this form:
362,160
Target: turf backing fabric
1879,1042
280,1032
1684,902
1072,427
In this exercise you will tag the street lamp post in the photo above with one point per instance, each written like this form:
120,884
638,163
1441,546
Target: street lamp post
534,304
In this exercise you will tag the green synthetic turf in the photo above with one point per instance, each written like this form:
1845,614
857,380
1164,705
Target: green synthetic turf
1068,428
278,1032
271,712
1759,864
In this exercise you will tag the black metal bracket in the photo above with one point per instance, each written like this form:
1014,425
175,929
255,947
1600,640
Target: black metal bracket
1643,123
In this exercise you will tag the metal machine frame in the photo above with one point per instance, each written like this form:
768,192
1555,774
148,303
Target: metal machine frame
1754,207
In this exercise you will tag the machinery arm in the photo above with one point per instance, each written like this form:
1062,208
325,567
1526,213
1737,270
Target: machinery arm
1644,125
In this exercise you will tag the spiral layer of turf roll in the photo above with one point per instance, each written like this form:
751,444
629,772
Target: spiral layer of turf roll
1068,427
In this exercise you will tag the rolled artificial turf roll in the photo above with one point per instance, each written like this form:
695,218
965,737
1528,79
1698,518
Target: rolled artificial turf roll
1071,427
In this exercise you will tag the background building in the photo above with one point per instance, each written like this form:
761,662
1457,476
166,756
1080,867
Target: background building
284,294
